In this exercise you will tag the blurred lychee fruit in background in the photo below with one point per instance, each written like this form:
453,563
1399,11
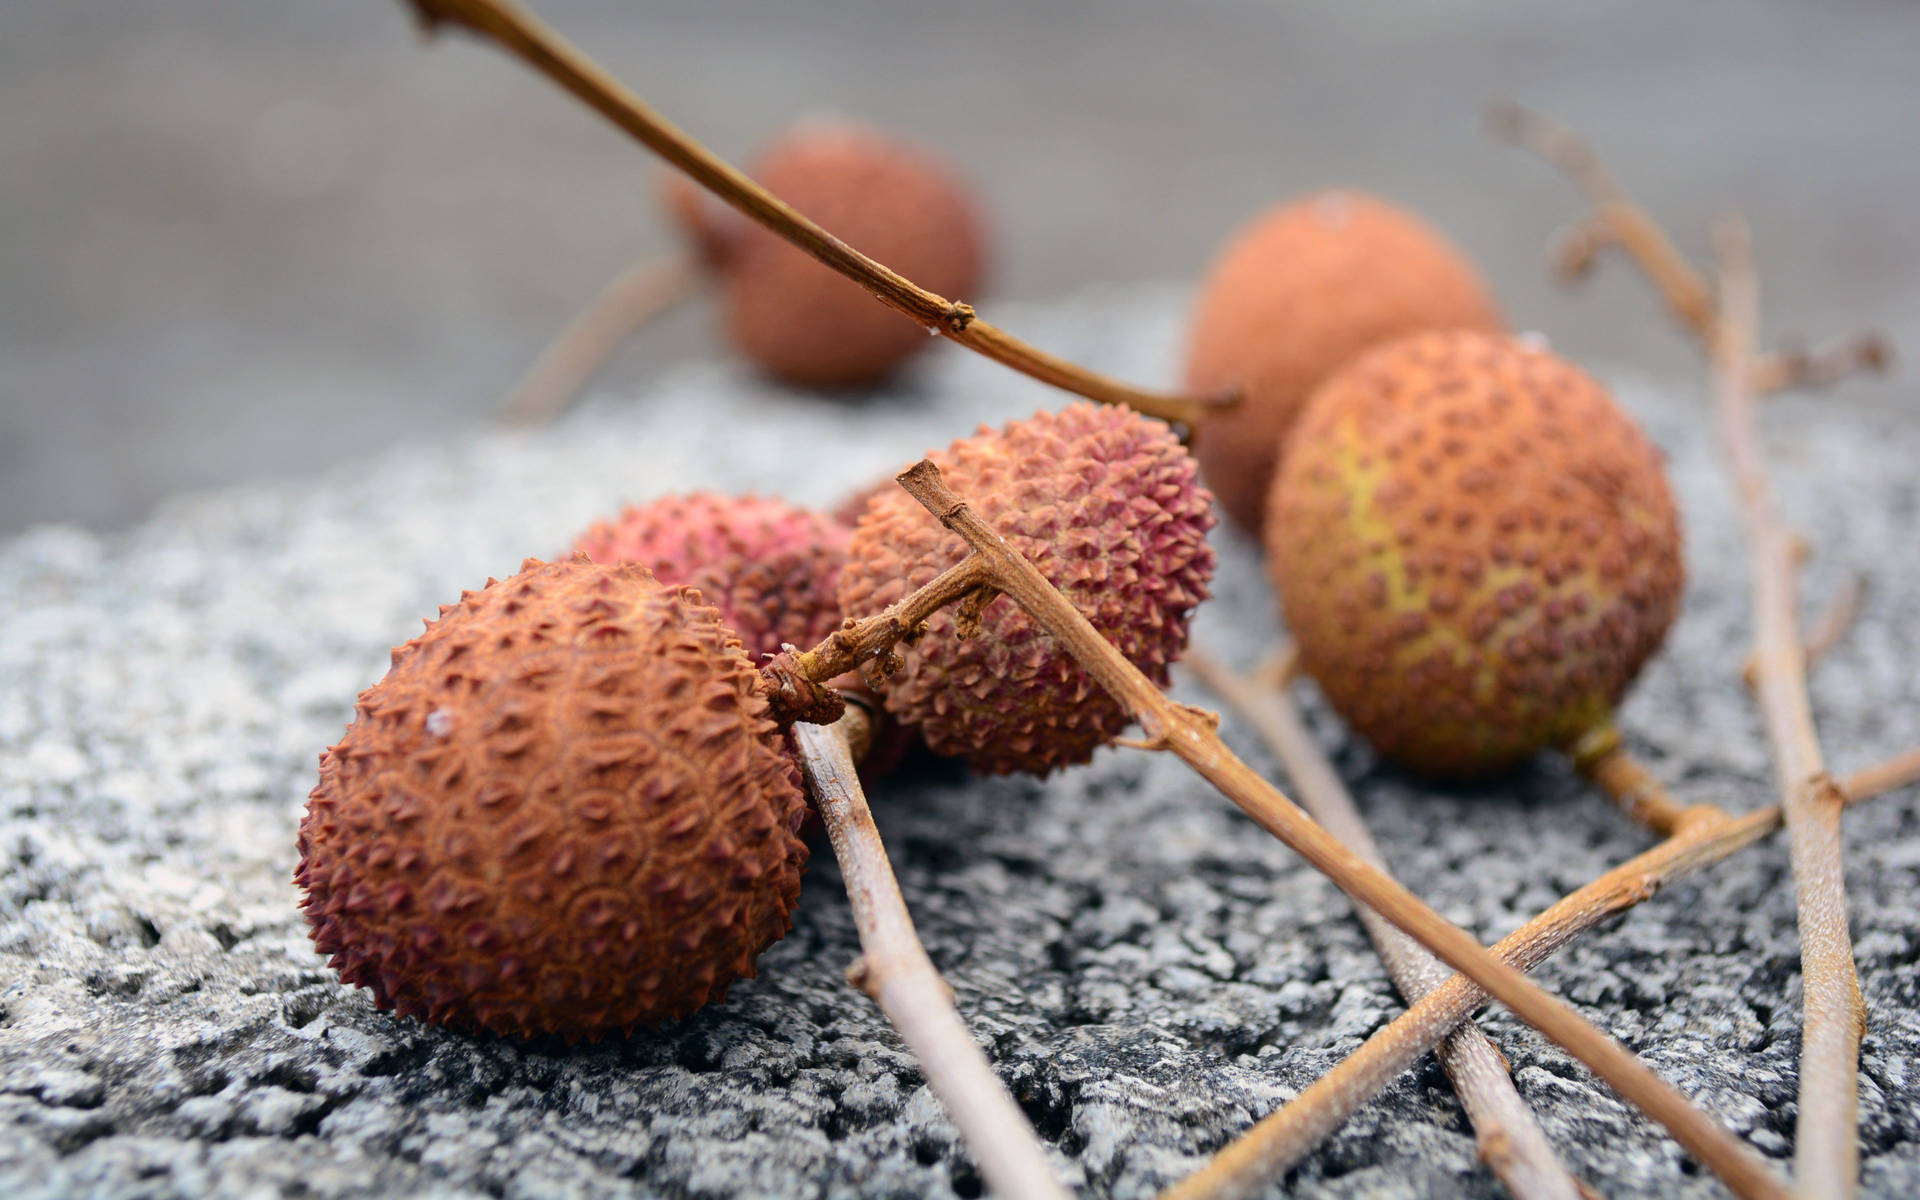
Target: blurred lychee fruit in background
890,199
1295,295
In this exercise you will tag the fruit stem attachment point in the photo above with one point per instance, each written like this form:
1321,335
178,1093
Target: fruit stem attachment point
637,295
1511,1141
521,33
1193,737
894,971
1602,756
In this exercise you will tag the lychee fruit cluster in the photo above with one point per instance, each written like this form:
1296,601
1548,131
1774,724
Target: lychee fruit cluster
563,811
771,568
1475,549
893,201
1107,504
1293,297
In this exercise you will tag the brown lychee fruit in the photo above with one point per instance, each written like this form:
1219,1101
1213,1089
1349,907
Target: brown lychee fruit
1107,504
887,198
1475,549
1293,297
564,811
771,568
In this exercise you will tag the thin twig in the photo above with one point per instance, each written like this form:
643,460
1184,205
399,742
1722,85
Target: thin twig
575,355
1191,734
1896,772
1511,1142
521,33
1619,220
1826,1142
1289,1134
1603,757
1828,630
894,971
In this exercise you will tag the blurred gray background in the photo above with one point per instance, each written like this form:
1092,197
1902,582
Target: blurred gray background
241,238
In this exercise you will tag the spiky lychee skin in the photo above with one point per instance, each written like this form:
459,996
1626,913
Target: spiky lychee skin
893,201
1475,549
1107,504
1293,297
564,811
771,568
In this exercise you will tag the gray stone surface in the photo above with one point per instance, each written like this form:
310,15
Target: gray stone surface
1148,972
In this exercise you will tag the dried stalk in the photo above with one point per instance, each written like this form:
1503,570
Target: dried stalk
1191,734
1826,1141
570,361
1288,1135
519,32
1619,220
1510,1140
1836,620
894,971
1601,756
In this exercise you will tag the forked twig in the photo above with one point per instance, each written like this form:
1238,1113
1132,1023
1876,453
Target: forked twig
521,33
1290,1133
1828,630
1826,1141
1619,220
575,355
894,971
1510,1140
1192,735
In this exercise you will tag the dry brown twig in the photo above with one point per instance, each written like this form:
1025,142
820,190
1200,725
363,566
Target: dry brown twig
895,973
521,33
1191,734
1726,321
1826,1142
569,362
1510,1140
1828,630
1286,1136
1619,221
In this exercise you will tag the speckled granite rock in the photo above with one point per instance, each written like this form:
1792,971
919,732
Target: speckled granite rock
1147,971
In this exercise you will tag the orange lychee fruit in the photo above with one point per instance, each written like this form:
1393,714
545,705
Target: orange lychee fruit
1475,550
1294,296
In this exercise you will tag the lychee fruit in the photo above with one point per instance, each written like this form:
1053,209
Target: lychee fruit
1475,550
889,199
771,568
1107,504
564,811
1294,296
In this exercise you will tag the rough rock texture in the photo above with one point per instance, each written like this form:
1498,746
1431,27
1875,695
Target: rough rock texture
1147,970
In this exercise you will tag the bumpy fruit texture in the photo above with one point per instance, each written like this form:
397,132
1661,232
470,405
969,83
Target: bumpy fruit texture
771,568
563,811
1107,505
1475,549
1292,298
895,202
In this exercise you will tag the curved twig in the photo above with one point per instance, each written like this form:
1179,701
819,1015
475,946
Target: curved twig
575,355
521,33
